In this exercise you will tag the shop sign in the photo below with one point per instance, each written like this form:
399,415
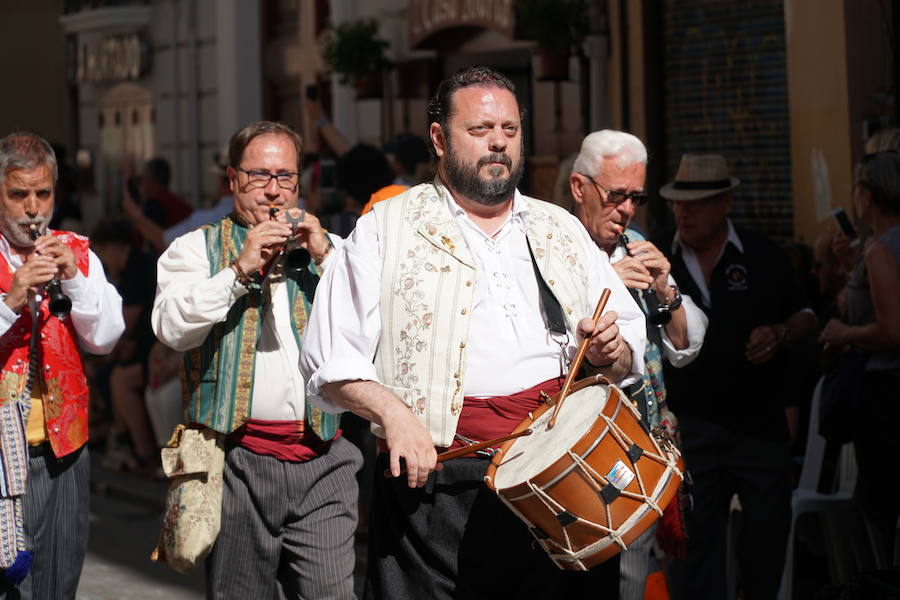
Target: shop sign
112,59
427,17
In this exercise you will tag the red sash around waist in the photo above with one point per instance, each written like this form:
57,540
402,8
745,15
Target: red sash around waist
284,440
488,418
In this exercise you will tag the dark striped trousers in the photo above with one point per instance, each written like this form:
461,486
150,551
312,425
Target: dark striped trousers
287,528
454,539
634,565
56,524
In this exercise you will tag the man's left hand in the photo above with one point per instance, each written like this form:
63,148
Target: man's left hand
606,345
762,344
310,234
52,246
655,262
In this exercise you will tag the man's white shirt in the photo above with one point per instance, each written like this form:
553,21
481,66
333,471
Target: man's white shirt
509,346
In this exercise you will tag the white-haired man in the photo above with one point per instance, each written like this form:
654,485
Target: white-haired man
607,185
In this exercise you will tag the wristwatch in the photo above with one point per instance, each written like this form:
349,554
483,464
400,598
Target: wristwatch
675,302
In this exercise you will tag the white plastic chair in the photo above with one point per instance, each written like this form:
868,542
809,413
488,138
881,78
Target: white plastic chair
732,534
807,499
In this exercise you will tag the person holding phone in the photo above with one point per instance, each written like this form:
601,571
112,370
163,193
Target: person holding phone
150,205
873,325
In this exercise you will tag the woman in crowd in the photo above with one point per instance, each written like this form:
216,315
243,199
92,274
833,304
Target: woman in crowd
873,325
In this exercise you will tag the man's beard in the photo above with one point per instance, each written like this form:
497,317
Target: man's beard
16,230
466,180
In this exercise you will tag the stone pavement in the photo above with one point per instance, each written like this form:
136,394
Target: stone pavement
126,512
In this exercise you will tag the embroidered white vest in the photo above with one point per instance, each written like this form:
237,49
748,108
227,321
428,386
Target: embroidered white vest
427,283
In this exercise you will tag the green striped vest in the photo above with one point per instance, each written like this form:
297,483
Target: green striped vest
217,376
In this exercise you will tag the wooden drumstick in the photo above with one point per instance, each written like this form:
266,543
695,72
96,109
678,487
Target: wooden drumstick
466,450
579,358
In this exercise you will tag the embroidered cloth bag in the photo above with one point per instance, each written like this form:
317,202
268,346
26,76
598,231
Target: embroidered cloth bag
193,461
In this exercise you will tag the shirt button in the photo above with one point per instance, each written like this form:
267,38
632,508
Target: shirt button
468,284
464,312
56,429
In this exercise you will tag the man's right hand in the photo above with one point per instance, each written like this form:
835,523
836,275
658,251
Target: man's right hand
262,242
28,279
633,273
408,439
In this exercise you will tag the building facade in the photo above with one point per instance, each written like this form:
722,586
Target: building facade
787,90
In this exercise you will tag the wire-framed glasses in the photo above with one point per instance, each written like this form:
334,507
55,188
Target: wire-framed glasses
260,179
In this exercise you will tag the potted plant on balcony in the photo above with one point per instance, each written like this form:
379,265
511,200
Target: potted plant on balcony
357,55
558,27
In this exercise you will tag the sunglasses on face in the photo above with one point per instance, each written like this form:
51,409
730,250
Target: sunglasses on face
619,196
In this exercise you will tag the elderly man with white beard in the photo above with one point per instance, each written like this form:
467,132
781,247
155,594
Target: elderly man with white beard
44,464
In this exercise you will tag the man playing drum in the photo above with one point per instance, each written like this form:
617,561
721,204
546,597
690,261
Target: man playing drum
431,325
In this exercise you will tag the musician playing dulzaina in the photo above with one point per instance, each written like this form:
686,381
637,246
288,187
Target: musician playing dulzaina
226,299
44,463
429,324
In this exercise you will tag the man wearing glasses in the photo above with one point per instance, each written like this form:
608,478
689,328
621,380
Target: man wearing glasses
226,299
607,184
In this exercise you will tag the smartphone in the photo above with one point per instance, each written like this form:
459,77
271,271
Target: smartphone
843,221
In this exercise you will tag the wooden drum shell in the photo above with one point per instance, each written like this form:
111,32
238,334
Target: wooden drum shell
567,485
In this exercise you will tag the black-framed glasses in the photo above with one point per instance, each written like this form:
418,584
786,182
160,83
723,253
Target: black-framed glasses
619,196
260,179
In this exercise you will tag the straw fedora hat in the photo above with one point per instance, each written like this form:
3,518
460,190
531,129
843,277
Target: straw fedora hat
699,176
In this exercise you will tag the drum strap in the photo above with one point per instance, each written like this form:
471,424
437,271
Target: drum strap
556,322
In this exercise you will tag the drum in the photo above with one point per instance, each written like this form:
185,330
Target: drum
594,483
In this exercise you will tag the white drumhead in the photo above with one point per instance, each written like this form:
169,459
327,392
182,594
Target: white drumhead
531,454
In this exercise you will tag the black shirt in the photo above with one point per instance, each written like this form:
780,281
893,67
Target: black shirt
137,287
747,289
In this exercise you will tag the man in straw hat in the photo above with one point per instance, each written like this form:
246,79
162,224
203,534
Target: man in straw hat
607,184
732,418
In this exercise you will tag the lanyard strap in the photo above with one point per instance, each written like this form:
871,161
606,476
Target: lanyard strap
556,322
